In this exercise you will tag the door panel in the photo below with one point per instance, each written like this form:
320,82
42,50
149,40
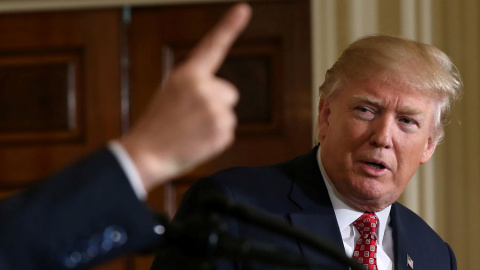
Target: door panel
59,97
59,92
270,65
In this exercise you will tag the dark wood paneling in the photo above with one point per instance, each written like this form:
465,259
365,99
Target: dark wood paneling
270,64
257,100
40,97
41,91
254,67
60,98
59,92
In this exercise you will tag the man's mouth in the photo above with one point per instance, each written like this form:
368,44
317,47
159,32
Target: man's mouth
376,166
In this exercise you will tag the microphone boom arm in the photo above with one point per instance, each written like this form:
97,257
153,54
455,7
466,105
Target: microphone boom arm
228,206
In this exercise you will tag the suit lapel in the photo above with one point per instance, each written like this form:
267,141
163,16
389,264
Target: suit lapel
326,231
399,240
316,215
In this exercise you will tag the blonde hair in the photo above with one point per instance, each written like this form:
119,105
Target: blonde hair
393,59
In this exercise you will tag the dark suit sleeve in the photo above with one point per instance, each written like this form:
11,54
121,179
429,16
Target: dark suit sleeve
86,214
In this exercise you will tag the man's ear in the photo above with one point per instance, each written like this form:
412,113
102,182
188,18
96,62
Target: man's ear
428,151
323,114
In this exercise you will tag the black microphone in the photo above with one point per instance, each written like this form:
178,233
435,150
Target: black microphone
203,236
227,206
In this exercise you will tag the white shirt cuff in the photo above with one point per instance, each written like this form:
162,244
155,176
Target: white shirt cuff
129,168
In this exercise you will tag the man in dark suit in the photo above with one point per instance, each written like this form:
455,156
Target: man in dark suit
93,210
381,114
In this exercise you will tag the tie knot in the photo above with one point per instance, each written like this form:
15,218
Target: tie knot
367,224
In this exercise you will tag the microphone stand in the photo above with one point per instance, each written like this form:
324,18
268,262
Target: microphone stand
203,238
227,206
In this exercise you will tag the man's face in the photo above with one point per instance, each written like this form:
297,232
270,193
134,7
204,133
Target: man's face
373,137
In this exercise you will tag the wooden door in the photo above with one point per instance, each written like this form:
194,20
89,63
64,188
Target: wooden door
59,92
270,64
59,81
64,78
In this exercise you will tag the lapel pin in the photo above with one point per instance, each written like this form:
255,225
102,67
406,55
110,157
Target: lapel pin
409,262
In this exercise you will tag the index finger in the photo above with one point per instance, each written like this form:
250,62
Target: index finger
210,52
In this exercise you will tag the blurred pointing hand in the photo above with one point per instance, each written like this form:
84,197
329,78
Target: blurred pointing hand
191,118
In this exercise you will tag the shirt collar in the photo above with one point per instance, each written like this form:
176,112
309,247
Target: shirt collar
345,214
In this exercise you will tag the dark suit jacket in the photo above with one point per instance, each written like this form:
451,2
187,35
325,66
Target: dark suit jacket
295,192
85,214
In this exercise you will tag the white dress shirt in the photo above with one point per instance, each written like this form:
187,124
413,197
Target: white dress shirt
129,169
346,215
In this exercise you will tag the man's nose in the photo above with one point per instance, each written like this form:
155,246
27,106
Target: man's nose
382,131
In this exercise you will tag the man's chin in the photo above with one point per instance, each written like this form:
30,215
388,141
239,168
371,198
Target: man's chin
368,201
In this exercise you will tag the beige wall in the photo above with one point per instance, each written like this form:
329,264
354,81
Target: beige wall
339,22
446,191
456,30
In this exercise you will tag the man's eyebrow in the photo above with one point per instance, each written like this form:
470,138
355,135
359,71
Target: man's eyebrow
367,99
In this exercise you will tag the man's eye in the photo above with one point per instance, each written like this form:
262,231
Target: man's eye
364,113
363,109
407,121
